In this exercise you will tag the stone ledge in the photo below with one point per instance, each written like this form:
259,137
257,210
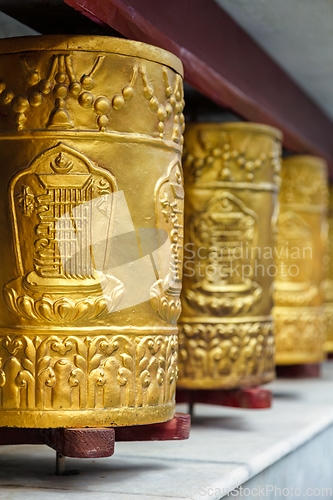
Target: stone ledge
227,448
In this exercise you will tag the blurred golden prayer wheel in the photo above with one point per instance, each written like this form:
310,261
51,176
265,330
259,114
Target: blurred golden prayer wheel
328,282
231,183
91,229
300,255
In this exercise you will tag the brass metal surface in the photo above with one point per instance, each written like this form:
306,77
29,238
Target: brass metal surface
328,282
231,185
301,252
91,139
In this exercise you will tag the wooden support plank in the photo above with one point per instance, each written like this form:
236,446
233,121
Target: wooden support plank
310,370
252,397
223,62
14,435
81,443
176,429
96,442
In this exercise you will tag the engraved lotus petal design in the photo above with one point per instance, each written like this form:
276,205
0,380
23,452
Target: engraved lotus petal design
168,308
46,309
88,334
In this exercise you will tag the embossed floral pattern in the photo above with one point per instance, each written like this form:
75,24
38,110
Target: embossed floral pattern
87,372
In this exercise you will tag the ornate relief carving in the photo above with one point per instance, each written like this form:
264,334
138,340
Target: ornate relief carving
328,310
299,332
302,241
86,126
219,154
58,310
174,104
231,180
211,353
225,227
294,244
63,82
87,372
302,184
52,229
169,206
327,285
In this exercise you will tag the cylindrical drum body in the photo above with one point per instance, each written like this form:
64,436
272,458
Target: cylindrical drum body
328,281
91,231
300,259
231,184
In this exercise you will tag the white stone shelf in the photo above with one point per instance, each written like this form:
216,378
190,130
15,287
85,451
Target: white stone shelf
290,445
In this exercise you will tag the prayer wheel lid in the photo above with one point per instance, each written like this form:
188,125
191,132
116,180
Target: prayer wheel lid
259,128
91,44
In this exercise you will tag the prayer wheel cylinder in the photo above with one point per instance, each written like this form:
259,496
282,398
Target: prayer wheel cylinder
91,225
231,185
328,282
301,254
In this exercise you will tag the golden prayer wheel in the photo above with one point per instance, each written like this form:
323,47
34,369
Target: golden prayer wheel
91,231
300,259
328,282
231,184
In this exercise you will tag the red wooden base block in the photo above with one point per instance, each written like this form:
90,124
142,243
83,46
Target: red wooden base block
81,443
176,429
298,371
251,397
97,442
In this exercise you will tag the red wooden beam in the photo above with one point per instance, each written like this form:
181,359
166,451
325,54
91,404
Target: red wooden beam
254,398
310,370
223,62
97,442
81,443
176,429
